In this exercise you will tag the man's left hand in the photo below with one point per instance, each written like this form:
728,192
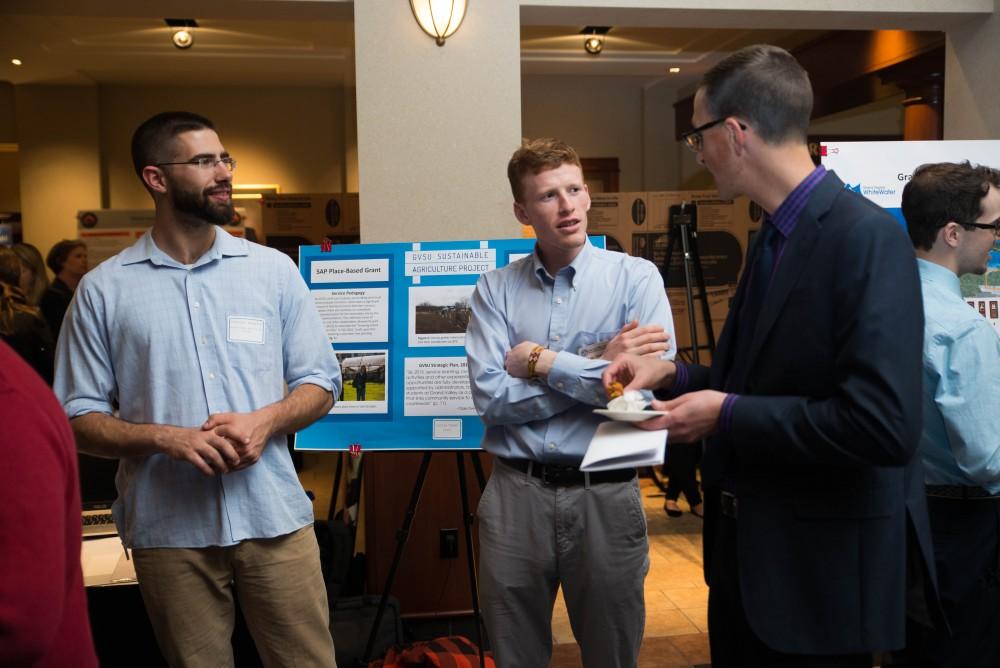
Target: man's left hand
690,417
249,433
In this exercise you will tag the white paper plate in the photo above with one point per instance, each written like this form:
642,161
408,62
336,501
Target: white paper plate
629,416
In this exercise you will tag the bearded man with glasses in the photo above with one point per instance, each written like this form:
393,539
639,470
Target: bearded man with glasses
197,334
952,213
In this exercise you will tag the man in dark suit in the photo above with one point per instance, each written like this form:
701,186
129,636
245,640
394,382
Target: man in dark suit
812,403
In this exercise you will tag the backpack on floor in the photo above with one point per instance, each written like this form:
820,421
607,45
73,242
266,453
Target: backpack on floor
446,652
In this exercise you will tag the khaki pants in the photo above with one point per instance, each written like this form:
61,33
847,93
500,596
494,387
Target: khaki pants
591,540
188,595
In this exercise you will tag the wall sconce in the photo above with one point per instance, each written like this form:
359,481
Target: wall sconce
439,18
183,32
594,36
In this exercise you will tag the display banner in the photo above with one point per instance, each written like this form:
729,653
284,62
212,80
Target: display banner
880,170
396,316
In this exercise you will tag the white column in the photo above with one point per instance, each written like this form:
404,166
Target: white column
971,84
436,124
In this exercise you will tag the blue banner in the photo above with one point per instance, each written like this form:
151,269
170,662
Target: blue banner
396,316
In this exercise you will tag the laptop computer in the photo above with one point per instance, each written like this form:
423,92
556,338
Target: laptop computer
97,492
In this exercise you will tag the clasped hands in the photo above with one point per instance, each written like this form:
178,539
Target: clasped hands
690,417
225,442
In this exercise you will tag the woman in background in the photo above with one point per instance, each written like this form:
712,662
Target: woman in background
21,324
34,279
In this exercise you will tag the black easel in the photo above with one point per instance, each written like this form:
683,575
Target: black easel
404,533
683,225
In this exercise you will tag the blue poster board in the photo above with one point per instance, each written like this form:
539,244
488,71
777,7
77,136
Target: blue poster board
396,316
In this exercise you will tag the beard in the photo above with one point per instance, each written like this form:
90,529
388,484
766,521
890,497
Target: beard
200,206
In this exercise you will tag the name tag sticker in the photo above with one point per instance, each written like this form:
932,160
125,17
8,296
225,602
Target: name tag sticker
245,330
447,430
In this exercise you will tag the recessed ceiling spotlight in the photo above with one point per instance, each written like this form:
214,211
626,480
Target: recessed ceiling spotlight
16,61
593,42
183,32
183,39
674,70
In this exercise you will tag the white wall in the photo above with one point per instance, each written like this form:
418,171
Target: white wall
972,87
436,125
884,117
58,159
622,118
292,136
601,117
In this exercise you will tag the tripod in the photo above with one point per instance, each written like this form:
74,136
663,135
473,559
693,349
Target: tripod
683,225
404,533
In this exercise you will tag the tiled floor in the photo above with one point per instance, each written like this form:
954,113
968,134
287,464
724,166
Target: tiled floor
676,596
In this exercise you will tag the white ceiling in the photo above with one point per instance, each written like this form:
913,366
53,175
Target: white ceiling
310,42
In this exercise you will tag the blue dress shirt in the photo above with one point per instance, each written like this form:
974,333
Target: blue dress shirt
174,343
960,442
574,313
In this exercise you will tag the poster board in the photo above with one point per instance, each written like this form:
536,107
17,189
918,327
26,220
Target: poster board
400,311
290,220
880,171
638,223
108,232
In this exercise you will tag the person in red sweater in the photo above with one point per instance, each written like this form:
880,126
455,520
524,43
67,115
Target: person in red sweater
43,608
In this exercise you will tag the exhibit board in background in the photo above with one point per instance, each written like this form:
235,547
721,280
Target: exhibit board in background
638,223
290,220
396,316
880,171
108,232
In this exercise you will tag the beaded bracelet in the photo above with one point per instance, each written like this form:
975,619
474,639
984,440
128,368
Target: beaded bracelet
533,356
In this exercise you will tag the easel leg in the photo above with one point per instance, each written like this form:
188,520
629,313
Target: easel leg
336,487
470,557
401,536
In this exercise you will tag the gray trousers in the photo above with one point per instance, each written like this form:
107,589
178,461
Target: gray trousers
590,539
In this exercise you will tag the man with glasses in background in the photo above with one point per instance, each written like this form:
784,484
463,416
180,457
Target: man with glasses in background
196,334
952,213
812,404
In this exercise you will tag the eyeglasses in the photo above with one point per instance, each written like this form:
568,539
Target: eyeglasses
995,226
205,162
693,139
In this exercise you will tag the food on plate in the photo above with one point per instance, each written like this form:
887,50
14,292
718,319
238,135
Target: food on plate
631,401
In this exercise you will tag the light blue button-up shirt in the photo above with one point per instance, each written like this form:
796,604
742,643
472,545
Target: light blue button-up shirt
175,343
960,442
573,313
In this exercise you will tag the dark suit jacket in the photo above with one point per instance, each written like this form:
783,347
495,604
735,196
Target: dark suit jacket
824,431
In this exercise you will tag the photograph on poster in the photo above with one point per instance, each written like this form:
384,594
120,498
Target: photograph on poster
437,386
365,382
438,315
354,315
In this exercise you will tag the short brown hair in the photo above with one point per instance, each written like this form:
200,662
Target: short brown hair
943,192
57,256
151,142
765,86
538,155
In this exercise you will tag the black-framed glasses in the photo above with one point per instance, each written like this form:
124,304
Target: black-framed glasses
995,226
205,162
693,138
